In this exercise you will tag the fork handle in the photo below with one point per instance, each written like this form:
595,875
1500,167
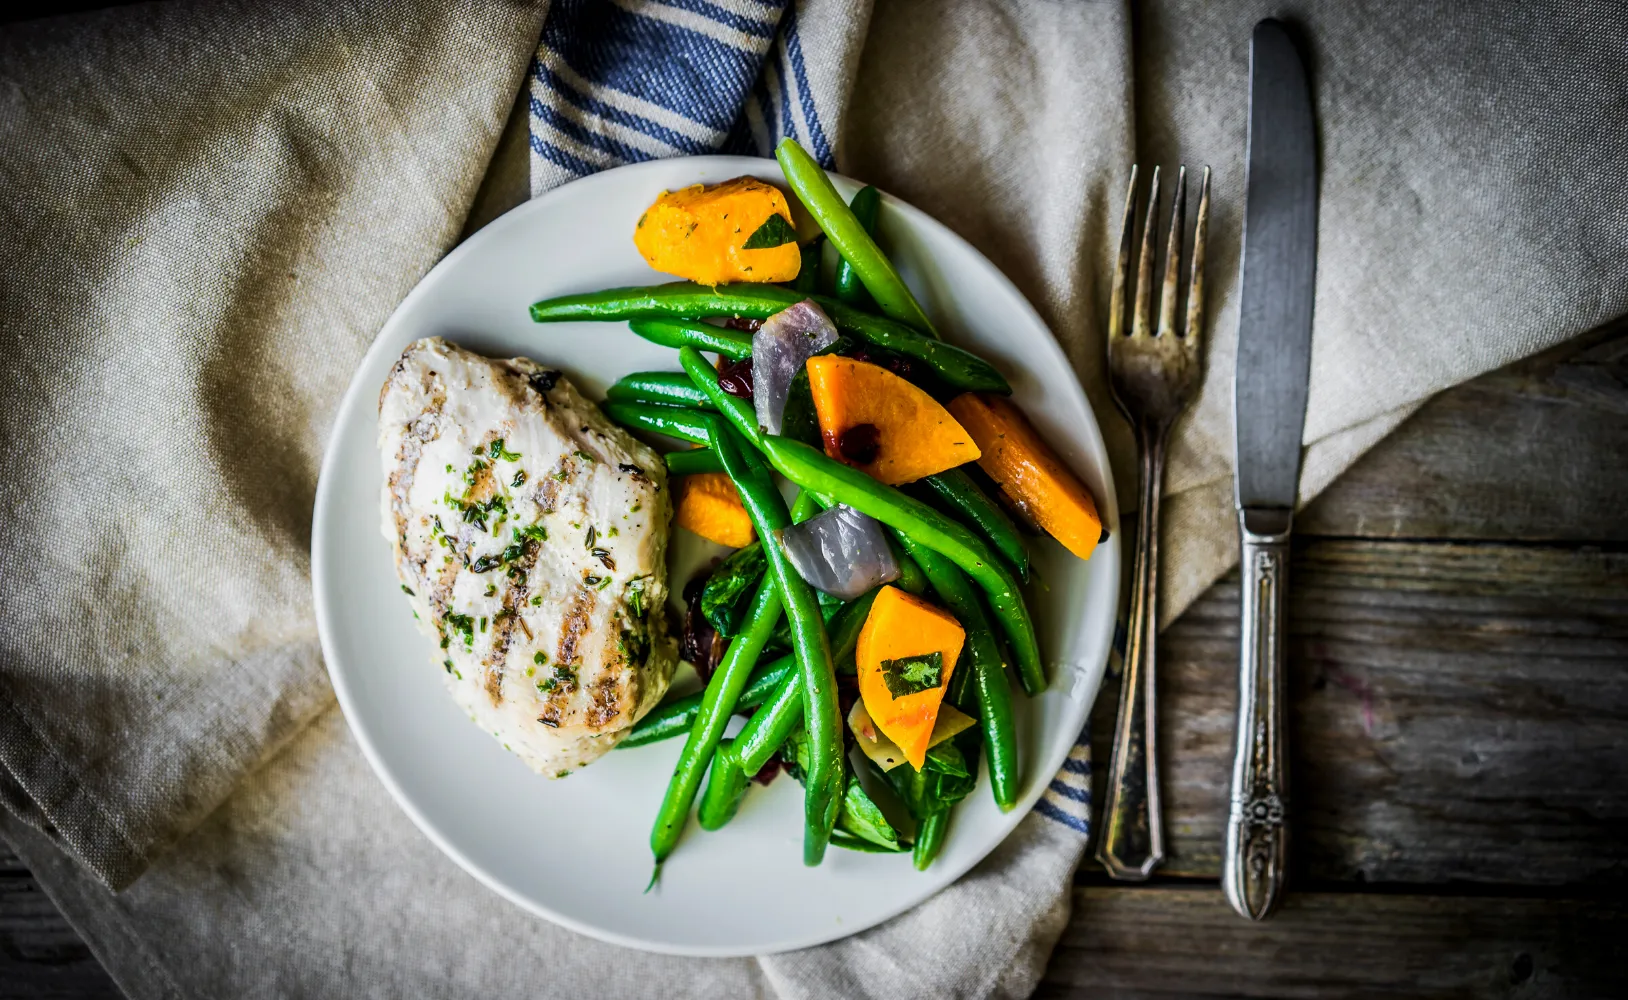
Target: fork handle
1254,867
1132,842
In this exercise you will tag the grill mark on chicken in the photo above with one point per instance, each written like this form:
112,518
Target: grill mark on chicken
606,700
577,621
514,601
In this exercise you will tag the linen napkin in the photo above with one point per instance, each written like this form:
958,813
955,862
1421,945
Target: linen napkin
355,141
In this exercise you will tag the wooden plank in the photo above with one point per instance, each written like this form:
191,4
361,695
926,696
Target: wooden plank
1162,941
1457,712
1532,452
41,955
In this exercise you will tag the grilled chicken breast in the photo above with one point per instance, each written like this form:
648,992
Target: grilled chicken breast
530,536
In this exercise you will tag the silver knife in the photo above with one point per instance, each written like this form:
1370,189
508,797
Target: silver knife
1269,412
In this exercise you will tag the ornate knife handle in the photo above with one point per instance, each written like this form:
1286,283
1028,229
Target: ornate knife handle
1255,866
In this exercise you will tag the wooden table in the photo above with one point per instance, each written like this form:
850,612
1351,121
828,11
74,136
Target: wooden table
1459,677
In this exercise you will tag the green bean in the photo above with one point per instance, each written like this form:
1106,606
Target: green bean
911,579
957,368
673,717
673,421
814,189
717,705
958,490
767,510
987,674
660,388
808,272
811,470
726,784
866,206
732,344
929,838
704,377
693,461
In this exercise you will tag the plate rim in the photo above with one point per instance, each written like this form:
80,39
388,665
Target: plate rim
325,500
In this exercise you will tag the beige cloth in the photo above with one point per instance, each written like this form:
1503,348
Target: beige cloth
211,210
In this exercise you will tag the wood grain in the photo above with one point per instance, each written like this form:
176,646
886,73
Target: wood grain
1163,941
1458,712
41,955
1537,451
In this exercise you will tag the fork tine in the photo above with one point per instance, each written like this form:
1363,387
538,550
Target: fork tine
1141,322
1195,284
1172,257
1122,266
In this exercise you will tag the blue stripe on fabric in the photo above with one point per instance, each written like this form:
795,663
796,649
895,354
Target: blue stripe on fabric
1050,811
587,136
683,71
1070,792
794,48
788,124
555,154
728,18
1073,766
611,113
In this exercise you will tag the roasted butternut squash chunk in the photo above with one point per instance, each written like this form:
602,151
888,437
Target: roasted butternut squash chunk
877,421
1029,472
906,656
702,233
710,506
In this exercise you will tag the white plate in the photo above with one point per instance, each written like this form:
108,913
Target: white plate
577,851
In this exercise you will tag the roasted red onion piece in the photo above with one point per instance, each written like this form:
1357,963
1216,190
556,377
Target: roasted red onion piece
780,349
841,552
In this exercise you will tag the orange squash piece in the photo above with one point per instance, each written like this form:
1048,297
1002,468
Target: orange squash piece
899,627
698,232
915,436
710,506
1029,472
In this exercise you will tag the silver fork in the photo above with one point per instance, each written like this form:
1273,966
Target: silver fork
1154,374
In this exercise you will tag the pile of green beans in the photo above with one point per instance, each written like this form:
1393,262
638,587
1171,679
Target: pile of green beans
968,551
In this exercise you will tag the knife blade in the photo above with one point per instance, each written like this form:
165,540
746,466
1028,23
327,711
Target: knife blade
1279,273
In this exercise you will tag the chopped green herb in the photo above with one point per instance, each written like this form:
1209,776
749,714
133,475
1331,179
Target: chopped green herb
447,664
491,590
612,533
519,479
909,675
483,623
465,627
539,658
537,601
775,232
497,451
586,457
603,583
407,590
561,476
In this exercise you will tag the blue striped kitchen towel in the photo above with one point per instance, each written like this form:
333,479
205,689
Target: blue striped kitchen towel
623,81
